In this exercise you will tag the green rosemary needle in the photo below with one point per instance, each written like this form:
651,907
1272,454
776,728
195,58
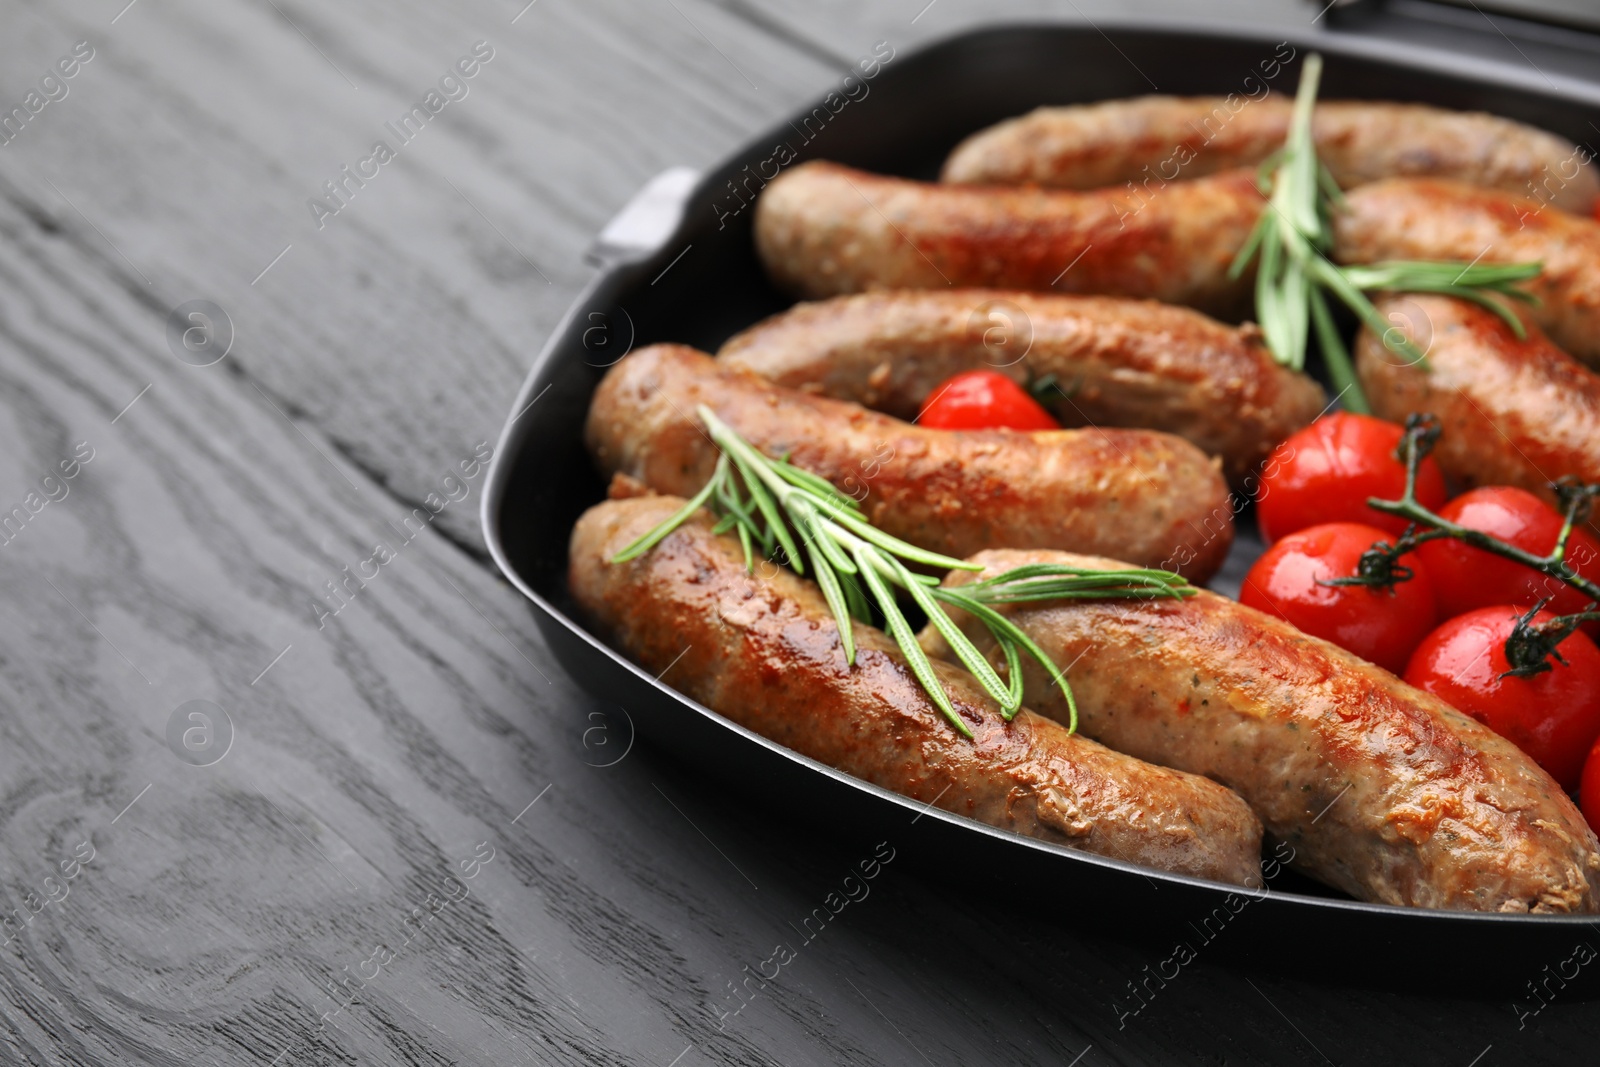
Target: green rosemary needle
1295,278
777,507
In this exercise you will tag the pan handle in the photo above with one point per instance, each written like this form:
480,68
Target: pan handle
1566,23
646,220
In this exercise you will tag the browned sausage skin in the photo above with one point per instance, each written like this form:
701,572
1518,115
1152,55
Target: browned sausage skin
1513,412
823,229
1133,363
765,652
1424,219
1382,790
1150,496
1162,138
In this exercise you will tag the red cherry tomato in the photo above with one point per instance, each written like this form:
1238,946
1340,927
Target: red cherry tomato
1466,578
1589,788
984,400
1553,716
1326,472
1380,625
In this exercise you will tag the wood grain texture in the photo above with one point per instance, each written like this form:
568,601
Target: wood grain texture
193,140
226,906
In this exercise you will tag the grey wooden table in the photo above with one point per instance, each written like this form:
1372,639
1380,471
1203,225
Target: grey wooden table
240,827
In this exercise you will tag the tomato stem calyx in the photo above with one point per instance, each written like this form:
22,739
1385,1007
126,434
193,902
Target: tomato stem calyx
1531,645
1380,566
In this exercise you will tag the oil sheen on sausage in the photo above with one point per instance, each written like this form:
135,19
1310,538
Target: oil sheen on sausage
1513,412
1419,218
1115,362
1157,139
1149,496
765,652
823,229
1382,790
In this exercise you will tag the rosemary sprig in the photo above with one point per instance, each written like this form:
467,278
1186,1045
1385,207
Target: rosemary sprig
1295,278
1530,645
778,507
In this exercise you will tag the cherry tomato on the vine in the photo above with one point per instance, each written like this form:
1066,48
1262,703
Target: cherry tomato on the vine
1326,472
1553,716
1589,788
1465,578
983,400
1380,624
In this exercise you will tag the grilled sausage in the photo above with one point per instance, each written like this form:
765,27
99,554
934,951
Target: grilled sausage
1156,139
1513,412
1424,219
765,652
1382,790
1154,497
1115,362
823,229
